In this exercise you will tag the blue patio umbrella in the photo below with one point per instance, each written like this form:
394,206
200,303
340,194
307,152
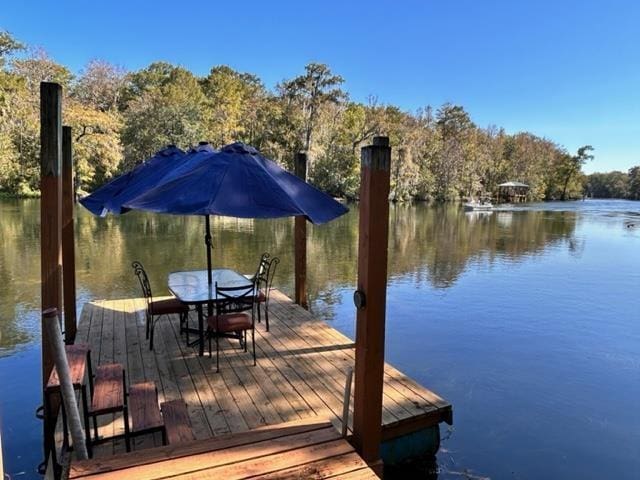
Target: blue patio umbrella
110,197
237,181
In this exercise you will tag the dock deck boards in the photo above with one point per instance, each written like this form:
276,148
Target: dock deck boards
300,373
303,449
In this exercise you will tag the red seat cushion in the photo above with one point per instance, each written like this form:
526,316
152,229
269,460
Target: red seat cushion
261,296
230,322
165,307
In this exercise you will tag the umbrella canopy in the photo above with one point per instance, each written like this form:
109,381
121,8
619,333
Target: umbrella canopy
237,182
169,161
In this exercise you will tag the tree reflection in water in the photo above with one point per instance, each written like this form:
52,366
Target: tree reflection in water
433,244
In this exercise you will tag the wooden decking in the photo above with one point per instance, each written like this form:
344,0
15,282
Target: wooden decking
298,450
300,374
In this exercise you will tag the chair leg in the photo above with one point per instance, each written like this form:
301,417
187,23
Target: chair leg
253,344
147,325
259,320
153,323
125,409
217,353
186,325
266,314
95,427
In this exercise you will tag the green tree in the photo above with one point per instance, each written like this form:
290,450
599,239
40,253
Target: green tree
235,101
306,95
571,165
166,106
634,183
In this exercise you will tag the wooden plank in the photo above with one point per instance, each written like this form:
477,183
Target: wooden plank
227,449
258,465
68,239
77,359
333,361
332,403
119,356
361,474
325,468
201,404
108,393
144,411
107,423
155,370
399,405
234,357
221,412
176,422
414,398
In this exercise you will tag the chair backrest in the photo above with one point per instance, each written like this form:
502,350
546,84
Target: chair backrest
144,282
234,299
272,265
260,278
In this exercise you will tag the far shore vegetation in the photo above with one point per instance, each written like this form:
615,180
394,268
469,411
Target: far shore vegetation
120,118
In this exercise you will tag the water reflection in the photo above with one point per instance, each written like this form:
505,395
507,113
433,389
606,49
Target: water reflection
433,244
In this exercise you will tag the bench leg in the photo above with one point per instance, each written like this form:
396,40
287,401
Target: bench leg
127,435
95,427
87,425
90,373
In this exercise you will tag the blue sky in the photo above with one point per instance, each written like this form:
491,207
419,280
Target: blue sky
566,70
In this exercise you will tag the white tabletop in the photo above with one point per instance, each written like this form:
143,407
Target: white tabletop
193,286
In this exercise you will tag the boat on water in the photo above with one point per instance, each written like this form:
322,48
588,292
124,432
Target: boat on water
482,205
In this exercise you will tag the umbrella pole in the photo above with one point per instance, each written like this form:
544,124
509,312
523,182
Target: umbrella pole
207,240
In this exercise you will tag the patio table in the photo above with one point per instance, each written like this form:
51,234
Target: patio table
192,288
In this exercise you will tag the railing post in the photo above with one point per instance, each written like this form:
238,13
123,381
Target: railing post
50,230
68,247
370,300
300,240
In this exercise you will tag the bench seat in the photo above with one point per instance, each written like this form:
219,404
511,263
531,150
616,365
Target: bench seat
176,422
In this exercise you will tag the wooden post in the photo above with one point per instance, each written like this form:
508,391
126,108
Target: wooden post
68,240
300,240
50,231
370,300
50,207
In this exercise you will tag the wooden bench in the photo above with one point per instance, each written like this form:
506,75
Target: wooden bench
176,422
79,360
144,411
109,396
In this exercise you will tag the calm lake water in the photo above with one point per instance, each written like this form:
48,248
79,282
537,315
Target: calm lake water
527,320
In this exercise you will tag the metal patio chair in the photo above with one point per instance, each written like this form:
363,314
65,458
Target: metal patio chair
264,283
233,318
157,308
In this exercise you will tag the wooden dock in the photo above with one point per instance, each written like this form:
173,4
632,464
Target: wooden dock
300,374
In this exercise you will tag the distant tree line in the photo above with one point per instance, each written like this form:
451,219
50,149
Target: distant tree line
614,184
120,118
